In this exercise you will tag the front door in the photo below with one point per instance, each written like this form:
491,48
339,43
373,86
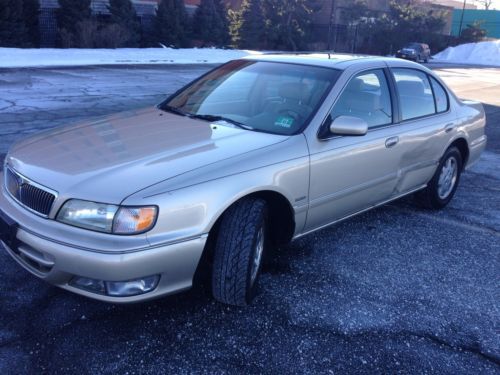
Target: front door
351,173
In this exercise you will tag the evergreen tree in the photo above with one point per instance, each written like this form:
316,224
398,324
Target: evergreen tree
356,10
249,28
473,33
124,15
210,23
12,28
31,12
171,23
406,21
69,16
221,8
289,21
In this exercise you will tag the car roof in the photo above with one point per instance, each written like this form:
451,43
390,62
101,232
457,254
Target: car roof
330,60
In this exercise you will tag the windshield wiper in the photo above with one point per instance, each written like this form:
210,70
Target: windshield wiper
221,118
177,111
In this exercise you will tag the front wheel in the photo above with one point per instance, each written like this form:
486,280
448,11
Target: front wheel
239,248
443,184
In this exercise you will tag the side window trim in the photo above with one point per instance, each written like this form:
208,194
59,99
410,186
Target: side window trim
433,94
396,107
391,99
431,80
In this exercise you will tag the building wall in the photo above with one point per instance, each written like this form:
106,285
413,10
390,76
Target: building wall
378,7
490,19
145,10
323,16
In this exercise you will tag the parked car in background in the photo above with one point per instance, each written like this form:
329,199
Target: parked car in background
415,51
254,154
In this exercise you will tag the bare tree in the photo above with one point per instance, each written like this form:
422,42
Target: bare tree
485,3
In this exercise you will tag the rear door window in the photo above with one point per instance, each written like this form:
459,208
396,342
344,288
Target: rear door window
415,93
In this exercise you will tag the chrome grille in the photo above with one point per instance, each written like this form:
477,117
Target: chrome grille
28,193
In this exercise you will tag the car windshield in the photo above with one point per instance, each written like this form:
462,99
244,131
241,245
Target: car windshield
413,46
278,98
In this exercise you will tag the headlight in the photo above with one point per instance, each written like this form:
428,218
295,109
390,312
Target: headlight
107,218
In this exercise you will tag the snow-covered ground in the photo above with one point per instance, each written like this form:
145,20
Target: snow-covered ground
16,57
482,53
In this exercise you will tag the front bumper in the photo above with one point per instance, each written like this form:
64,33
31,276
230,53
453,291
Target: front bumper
58,261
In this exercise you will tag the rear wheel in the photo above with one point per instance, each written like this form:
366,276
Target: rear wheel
239,249
443,184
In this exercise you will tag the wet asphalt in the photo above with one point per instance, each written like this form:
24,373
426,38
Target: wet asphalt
396,290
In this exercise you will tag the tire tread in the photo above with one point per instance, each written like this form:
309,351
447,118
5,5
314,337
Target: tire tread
233,251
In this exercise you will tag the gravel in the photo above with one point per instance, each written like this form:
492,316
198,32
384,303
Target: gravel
397,289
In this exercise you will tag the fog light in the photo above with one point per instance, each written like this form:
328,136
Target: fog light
132,287
90,285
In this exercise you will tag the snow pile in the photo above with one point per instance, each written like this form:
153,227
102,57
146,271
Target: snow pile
482,53
16,57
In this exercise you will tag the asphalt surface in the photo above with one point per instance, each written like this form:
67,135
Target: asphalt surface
398,289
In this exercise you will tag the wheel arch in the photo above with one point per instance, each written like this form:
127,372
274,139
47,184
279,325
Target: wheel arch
281,215
282,219
462,146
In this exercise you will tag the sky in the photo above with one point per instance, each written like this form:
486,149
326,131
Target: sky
494,5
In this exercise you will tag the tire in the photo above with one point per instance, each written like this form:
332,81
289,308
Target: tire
444,183
239,248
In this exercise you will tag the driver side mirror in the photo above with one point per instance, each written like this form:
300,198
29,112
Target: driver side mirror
348,125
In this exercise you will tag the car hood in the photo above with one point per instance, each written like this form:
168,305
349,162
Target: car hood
110,158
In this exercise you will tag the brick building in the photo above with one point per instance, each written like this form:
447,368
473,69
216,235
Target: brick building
145,10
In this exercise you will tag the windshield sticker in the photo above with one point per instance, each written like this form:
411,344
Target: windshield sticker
284,122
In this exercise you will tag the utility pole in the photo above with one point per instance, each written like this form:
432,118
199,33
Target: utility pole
462,19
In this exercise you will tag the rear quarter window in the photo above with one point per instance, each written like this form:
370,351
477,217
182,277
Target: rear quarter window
440,95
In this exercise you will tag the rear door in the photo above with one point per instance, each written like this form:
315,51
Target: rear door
425,127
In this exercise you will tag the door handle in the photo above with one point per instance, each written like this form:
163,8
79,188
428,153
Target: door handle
449,127
391,142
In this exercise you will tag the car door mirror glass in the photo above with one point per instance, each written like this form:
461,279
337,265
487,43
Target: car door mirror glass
348,125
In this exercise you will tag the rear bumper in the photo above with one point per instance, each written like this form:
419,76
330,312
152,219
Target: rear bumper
58,262
475,149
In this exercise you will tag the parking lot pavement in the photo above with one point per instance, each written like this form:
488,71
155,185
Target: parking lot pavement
398,289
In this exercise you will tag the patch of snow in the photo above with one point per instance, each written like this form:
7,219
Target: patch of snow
17,57
482,53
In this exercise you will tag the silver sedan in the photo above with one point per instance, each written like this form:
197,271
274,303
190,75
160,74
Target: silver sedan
252,155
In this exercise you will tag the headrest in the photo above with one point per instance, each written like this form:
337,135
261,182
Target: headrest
411,88
356,85
364,101
292,90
